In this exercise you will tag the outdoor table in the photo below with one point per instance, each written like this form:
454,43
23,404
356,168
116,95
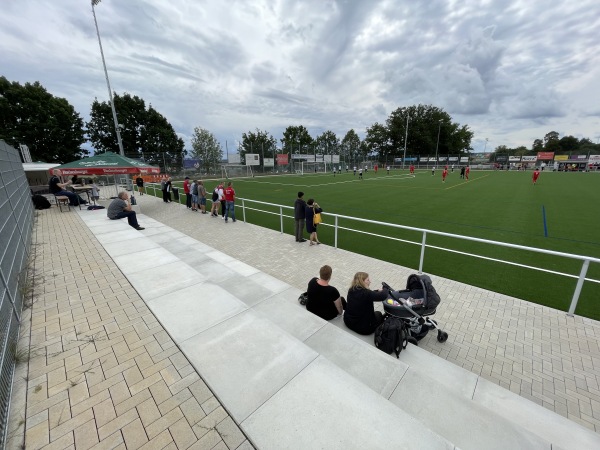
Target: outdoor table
84,189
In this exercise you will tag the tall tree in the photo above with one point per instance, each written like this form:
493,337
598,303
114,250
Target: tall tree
206,148
351,147
261,142
378,140
569,144
48,125
327,143
144,131
296,140
538,145
425,124
551,142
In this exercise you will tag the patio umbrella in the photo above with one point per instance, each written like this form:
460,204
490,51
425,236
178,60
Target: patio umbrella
108,163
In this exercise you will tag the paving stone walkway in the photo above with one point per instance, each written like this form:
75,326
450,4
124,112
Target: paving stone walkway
537,352
103,373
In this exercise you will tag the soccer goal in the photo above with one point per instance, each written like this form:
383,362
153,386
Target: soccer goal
236,171
308,167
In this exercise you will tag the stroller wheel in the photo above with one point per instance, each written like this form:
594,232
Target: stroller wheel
442,336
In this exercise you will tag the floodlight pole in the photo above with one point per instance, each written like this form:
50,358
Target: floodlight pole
438,142
112,103
405,139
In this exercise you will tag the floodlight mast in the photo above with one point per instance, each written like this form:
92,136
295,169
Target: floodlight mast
112,103
405,139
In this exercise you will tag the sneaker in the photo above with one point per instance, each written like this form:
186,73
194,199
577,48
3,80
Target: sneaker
225,220
140,228
302,240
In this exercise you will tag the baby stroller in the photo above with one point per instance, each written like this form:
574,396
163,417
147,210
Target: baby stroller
414,305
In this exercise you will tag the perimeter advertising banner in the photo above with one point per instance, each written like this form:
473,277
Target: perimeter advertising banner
529,158
514,159
282,159
561,157
191,163
252,159
546,156
234,158
269,162
594,158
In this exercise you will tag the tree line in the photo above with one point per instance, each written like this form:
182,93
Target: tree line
55,132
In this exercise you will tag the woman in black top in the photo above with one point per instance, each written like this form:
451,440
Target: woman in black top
312,208
324,300
360,315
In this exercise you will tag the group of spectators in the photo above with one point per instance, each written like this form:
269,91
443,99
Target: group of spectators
358,308
223,197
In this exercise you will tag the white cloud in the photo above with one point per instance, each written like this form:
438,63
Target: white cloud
512,70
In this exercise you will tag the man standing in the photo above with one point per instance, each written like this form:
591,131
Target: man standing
202,196
300,216
188,194
462,172
229,194
120,208
139,181
467,170
444,174
536,174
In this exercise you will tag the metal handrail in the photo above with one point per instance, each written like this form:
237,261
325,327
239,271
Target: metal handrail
580,278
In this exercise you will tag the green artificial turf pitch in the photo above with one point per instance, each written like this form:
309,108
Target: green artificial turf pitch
495,205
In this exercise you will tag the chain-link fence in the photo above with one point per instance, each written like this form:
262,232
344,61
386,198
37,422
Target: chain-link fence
16,223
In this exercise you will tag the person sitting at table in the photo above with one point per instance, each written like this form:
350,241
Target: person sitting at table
60,189
360,315
76,180
120,208
323,299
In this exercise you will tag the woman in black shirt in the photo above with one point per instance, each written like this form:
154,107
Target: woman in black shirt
360,315
324,300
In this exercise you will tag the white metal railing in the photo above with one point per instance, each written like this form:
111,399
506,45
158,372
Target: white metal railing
580,278
423,243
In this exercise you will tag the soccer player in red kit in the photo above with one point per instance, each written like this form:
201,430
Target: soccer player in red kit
467,172
536,174
444,174
412,169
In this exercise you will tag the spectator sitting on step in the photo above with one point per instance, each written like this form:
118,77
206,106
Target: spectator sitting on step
324,300
360,315
60,189
120,208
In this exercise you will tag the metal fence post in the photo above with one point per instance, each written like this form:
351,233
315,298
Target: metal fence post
422,252
244,210
281,219
578,287
335,239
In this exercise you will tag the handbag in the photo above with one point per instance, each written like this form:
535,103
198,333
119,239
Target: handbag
317,219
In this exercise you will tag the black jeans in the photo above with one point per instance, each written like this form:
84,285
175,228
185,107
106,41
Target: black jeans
299,229
131,218
188,200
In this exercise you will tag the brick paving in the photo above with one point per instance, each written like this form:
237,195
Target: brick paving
536,352
103,373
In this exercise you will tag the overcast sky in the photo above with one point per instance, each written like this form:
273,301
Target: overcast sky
510,70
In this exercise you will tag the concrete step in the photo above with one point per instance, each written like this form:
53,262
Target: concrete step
247,335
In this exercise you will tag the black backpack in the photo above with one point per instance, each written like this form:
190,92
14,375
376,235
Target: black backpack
40,202
392,335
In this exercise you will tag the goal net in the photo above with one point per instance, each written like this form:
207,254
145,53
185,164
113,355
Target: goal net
236,171
308,167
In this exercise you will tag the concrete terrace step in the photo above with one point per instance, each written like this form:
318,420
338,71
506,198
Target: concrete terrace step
291,379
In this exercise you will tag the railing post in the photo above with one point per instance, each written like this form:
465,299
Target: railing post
281,218
335,231
580,281
422,252
244,210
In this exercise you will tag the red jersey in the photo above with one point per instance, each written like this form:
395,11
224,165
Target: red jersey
229,194
186,186
536,174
